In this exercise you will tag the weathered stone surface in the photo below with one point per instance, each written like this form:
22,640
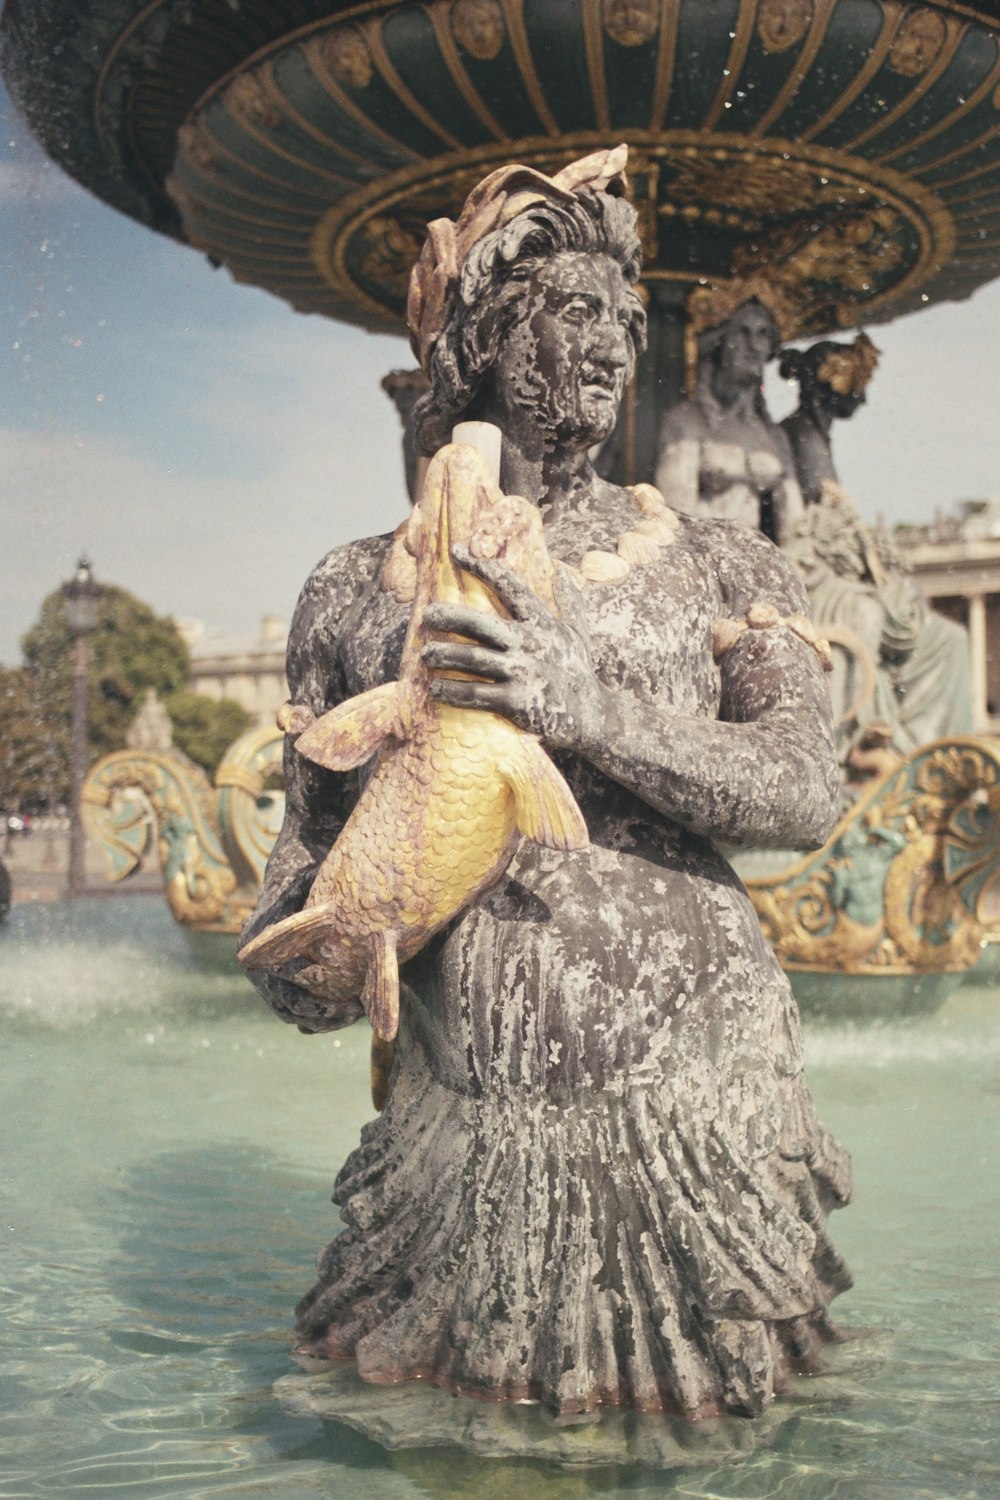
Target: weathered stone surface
598,1177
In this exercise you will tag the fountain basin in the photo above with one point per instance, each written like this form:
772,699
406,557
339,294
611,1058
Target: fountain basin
172,1147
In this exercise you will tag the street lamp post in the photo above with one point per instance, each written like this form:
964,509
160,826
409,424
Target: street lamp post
80,595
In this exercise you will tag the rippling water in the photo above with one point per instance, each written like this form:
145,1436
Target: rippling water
169,1150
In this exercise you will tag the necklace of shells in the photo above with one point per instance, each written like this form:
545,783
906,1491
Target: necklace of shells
640,545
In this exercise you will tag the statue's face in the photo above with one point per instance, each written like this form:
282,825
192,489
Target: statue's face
564,363
748,344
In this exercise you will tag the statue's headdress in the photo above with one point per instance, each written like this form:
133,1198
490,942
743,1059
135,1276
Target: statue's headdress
847,368
498,199
713,304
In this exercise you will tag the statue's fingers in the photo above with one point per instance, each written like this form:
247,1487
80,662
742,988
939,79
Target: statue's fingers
459,693
512,591
452,656
459,619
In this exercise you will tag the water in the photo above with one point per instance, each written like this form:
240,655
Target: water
170,1148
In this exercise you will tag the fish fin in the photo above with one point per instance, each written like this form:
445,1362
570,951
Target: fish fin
350,734
380,996
383,1053
546,808
290,938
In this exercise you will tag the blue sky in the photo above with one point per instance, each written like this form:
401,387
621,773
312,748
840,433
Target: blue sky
206,445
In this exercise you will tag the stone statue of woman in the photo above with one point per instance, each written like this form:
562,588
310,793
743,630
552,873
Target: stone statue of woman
598,1177
720,453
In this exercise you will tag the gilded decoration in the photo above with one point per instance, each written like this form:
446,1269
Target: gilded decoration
193,145
918,42
898,888
868,236
781,24
478,27
346,54
212,840
247,96
631,23
148,100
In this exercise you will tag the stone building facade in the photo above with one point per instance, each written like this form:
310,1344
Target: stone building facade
956,560
249,669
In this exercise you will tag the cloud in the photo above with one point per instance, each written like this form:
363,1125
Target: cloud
315,461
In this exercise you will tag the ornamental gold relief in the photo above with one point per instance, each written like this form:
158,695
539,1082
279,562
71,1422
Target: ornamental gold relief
631,23
867,237
918,42
478,27
900,887
345,52
781,24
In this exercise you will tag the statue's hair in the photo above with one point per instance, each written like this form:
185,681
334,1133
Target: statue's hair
823,366
803,365
493,281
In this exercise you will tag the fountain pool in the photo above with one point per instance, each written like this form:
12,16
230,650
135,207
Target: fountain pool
170,1148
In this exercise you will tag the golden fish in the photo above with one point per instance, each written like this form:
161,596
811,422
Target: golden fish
452,788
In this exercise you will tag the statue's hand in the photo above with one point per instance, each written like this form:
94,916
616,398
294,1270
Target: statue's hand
533,668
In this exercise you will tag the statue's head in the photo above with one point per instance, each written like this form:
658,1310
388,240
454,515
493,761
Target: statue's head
832,376
741,346
734,327
524,309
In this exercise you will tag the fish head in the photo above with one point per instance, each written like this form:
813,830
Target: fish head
458,493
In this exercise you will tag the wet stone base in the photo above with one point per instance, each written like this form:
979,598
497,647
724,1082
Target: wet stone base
416,1415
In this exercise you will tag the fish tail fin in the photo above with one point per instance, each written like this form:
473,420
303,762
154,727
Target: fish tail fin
546,808
383,1053
380,996
292,937
350,734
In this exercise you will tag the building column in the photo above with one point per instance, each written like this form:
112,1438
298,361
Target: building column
977,659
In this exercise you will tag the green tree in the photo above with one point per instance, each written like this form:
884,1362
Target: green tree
204,727
132,649
33,750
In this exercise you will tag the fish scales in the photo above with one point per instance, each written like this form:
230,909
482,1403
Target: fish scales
452,789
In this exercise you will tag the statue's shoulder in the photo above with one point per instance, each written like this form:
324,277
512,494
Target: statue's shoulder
332,586
748,565
685,419
349,566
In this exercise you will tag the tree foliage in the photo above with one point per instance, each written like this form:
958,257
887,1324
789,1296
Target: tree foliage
33,747
204,727
132,649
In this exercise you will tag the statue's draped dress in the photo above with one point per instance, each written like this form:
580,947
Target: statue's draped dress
599,1176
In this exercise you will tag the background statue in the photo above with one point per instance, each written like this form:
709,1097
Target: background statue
598,1176
832,379
720,454
915,684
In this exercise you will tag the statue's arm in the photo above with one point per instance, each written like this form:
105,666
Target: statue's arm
317,802
764,773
